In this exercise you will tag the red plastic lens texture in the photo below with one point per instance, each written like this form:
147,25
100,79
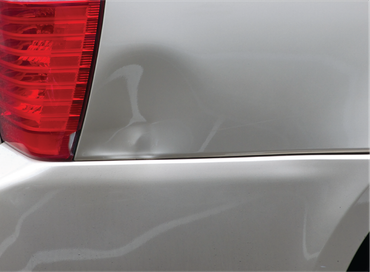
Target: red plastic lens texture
46,51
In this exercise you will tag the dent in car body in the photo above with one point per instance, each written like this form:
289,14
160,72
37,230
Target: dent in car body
207,79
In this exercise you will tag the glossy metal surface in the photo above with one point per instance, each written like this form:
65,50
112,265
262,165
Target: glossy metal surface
271,213
198,78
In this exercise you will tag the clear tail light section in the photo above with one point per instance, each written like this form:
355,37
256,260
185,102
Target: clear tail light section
47,56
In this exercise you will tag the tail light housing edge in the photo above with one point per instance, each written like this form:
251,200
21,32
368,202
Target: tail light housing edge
48,51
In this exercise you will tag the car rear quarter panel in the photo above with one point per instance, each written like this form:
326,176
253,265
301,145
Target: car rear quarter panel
266,213
200,79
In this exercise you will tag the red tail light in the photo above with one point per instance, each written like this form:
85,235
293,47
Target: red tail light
47,51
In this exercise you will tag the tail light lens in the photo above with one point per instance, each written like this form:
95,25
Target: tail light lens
47,53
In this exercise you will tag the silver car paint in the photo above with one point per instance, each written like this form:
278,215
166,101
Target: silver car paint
261,78
200,79
263,213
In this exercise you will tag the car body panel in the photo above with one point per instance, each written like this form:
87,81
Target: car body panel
274,94
262,213
203,79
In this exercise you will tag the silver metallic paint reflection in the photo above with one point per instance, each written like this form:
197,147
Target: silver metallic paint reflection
202,79
80,254
263,213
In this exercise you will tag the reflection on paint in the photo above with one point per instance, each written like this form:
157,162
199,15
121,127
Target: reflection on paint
132,74
211,134
13,237
223,103
308,256
75,254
